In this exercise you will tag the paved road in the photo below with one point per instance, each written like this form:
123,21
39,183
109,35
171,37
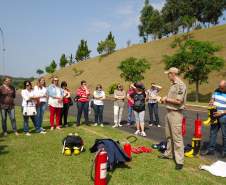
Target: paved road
154,133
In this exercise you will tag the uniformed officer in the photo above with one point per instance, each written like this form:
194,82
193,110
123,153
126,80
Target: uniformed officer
174,101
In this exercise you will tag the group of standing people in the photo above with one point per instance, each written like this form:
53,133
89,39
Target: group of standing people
58,99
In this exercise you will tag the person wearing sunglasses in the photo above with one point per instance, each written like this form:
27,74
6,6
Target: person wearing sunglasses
55,102
7,96
29,108
98,105
66,104
119,95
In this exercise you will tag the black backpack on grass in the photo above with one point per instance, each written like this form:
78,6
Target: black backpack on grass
73,140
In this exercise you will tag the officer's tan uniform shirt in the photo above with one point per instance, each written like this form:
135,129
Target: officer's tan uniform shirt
177,91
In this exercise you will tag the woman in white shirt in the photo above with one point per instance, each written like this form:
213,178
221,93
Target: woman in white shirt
41,93
98,105
29,107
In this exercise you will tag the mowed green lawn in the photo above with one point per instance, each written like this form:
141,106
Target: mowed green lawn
37,160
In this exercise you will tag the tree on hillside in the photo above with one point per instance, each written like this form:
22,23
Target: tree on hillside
110,36
63,61
83,51
128,43
51,68
107,46
156,24
144,26
71,61
39,72
212,10
133,69
195,59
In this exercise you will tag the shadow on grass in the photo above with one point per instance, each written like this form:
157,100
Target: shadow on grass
111,172
3,148
203,98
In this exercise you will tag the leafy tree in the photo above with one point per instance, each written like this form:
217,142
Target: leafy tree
212,10
110,36
63,61
195,59
83,51
144,27
71,61
128,43
107,46
133,69
112,88
156,24
187,21
53,65
170,13
39,71
51,68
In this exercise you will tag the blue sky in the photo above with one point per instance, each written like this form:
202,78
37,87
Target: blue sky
37,31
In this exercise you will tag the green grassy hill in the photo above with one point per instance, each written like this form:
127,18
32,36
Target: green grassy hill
105,71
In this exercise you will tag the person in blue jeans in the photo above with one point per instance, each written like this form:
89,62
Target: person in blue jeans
218,100
98,105
82,98
152,96
40,91
130,105
7,96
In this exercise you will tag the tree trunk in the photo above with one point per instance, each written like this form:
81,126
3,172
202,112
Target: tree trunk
197,91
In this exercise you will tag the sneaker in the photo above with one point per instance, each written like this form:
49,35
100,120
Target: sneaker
42,132
115,125
5,134
137,132
179,167
27,134
16,133
128,124
42,129
101,125
143,134
66,125
119,125
52,128
150,125
95,124
58,128
158,126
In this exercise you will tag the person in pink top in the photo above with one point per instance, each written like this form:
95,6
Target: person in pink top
82,95
130,105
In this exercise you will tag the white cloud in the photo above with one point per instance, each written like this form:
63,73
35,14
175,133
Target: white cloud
128,15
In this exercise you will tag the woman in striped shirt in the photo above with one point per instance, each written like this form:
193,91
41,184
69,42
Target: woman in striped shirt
82,95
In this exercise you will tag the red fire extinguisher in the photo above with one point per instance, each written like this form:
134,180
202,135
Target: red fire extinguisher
127,149
101,168
198,127
184,126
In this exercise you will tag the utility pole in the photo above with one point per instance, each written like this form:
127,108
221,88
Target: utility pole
3,51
